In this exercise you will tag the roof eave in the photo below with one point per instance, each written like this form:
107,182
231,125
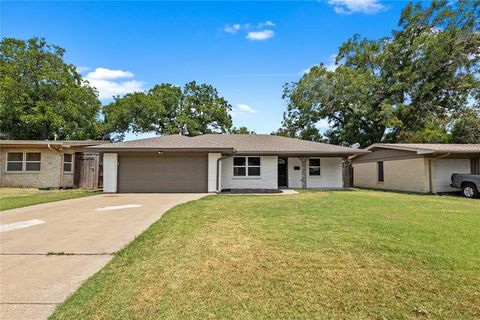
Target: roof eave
156,149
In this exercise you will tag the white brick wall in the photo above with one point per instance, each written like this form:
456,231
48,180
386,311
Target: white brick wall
330,175
212,171
267,180
110,166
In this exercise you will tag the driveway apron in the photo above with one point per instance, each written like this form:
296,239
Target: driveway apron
48,250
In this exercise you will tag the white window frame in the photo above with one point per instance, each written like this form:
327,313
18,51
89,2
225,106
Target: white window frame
71,163
23,162
246,166
319,167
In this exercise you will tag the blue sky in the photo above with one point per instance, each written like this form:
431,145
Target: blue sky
247,50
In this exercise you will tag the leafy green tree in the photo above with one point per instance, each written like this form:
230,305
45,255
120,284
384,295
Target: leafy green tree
396,88
168,109
41,96
467,128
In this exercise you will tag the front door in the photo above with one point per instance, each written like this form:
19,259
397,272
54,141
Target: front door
282,172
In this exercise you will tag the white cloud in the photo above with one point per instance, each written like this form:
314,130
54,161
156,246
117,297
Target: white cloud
241,110
109,82
104,73
267,23
260,35
232,28
246,108
253,31
353,6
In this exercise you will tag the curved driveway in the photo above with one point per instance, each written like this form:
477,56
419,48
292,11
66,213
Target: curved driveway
48,250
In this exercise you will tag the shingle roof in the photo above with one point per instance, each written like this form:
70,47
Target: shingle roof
64,143
164,142
422,148
240,143
265,144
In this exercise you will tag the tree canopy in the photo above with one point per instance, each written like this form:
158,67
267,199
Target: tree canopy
409,87
41,96
168,109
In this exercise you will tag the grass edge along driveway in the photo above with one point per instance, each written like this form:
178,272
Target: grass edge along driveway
341,255
12,198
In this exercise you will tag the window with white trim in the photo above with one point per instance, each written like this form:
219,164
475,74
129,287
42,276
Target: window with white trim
246,166
314,167
24,161
67,162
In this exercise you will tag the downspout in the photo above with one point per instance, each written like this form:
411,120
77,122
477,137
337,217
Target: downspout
217,187
61,178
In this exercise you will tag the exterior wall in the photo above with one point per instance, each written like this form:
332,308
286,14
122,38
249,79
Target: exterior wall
268,175
50,175
444,168
110,166
294,176
330,175
402,175
212,171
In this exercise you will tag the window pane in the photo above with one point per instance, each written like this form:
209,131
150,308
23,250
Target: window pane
32,166
239,171
15,156
253,161
14,166
239,161
315,162
253,171
67,167
67,158
314,171
33,156
380,171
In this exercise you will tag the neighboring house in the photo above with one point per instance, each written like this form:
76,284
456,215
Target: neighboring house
214,162
424,168
48,164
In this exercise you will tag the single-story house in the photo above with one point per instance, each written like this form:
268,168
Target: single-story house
47,164
423,168
215,162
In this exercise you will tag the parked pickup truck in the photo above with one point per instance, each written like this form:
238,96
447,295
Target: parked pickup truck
468,183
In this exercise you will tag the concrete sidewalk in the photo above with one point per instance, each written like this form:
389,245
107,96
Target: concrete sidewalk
48,250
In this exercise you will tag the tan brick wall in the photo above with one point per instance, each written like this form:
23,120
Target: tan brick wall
402,175
49,176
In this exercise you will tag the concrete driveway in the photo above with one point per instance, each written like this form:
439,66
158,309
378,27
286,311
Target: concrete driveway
48,250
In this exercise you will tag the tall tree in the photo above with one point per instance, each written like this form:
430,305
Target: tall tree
168,109
396,88
467,128
41,96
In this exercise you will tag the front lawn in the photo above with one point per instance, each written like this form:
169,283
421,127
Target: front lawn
348,255
11,198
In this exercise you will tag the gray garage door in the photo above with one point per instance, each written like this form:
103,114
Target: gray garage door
147,173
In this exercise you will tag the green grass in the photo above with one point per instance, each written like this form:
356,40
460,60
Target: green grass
315,255
11,198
